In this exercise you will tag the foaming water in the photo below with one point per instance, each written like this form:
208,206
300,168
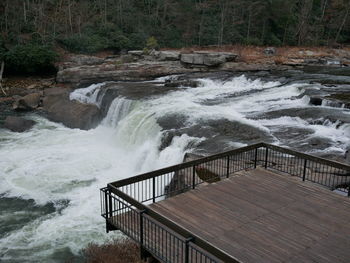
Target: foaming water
59,170
118,110
51,163
88,95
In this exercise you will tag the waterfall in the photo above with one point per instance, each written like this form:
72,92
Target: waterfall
50,175
118,110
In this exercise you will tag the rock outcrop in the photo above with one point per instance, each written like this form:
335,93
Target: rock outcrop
166,55
72,114
207,59
28,102
144,70
18,124
269,51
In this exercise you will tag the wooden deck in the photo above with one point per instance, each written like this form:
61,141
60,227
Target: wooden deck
263,216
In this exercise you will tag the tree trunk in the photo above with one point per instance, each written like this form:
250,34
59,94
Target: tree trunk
249,21
70,16
342,23
1,72
24,12
222,23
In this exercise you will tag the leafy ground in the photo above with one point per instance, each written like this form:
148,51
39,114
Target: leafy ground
119,251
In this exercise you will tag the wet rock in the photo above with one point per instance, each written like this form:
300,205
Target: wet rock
270,51
209,59
72,114
18,124
347,156
108,96
242,66
310,113
319,143
28,102
317,101
182,83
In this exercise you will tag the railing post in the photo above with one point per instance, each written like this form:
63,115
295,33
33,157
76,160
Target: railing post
110,204
266,157
193,177
106,209
256,157
187,249
228,167
154,189
142,249
304,172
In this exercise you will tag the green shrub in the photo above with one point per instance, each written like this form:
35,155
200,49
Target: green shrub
152,43
136,41
253,41
273,40
84,43
30,58
94,39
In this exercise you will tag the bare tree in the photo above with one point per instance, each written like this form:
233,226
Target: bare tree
2,67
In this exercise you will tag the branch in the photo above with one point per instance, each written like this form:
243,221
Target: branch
1,72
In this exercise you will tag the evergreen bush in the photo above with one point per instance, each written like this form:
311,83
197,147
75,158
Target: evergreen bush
30,59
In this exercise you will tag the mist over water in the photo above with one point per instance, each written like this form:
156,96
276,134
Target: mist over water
50,176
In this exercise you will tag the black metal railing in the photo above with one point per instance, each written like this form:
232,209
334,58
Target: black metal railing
124,203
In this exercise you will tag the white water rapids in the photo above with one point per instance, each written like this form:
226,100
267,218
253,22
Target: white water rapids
63,167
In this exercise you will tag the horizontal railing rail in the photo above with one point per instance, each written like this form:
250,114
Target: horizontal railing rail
125,207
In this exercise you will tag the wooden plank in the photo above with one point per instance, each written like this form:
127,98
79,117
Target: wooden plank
259,216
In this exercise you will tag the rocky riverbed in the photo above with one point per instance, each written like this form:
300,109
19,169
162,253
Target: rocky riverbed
50,97
86,135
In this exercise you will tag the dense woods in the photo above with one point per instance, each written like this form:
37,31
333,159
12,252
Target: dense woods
95,25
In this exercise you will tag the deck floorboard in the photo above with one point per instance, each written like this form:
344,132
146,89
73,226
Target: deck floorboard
264,216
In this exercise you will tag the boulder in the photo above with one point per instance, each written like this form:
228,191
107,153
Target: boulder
18,124
317,101
208,59
347,155
167,55
72,114
28,102
270,51
193,58
57,91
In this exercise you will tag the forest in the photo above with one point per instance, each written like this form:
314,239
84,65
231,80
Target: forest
88,26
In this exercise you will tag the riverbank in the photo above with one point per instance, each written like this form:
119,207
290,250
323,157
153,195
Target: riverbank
82,70
122,250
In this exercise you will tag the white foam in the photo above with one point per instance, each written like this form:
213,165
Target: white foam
87,95
52,163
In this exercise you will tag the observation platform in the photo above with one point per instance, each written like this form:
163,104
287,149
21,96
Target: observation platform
263,216
260,203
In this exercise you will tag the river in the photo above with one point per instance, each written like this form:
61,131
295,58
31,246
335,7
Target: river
50,176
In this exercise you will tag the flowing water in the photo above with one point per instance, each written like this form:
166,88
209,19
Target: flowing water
50,176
